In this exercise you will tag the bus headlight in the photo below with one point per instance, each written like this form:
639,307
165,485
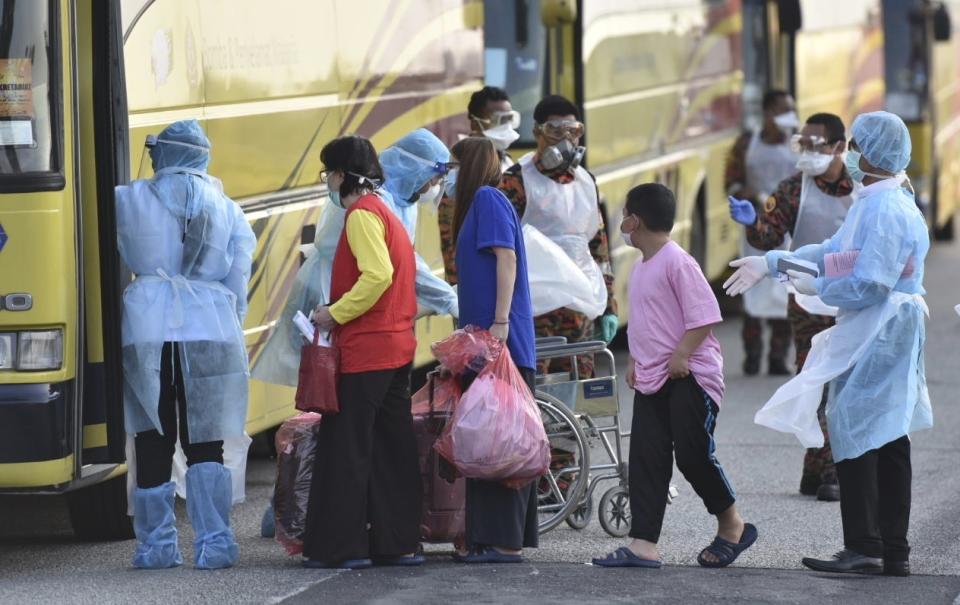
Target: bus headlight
40,350
8,346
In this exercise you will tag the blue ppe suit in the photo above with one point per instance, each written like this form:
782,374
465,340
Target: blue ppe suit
191,249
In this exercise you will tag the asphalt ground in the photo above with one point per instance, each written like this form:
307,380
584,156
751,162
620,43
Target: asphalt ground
41,562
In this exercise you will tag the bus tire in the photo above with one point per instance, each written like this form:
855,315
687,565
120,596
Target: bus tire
944,233
99,512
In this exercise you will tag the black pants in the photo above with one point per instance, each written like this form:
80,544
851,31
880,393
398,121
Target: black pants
155,450
366,491
680,418
875,501
497,515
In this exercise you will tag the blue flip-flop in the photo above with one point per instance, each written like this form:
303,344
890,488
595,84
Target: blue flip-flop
624,557
487,555
413,560
727,552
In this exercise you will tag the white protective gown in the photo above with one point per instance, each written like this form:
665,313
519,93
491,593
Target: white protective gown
766,165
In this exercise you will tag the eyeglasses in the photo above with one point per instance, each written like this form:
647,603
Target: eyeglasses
325,175
800,143
499,118
559,129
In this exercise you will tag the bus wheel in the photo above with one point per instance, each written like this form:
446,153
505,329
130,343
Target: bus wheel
99,512
945,233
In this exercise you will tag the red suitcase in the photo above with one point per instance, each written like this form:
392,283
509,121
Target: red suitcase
442,513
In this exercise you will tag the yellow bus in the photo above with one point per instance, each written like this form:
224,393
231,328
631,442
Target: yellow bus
82,82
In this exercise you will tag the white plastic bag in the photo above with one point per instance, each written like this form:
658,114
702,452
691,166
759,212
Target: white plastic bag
555,280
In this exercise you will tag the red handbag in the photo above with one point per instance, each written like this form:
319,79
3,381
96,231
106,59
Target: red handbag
319,374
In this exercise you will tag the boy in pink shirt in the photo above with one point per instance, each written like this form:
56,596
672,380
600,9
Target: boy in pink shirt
676,370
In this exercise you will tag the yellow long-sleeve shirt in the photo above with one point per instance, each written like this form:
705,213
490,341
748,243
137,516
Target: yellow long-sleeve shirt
366,236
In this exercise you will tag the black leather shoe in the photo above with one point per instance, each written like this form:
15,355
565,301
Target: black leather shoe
809,484
846,561
751,365
828,492
900,569
777,367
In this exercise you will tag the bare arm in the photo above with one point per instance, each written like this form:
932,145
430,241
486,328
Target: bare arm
506,280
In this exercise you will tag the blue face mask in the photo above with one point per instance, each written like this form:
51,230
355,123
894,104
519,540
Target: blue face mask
335,198
852,162
450,185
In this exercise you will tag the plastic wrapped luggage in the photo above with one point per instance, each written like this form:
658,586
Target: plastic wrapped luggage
296,443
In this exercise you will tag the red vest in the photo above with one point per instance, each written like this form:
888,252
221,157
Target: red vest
383,337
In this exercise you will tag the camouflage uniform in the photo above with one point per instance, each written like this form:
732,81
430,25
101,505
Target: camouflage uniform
562,322
778,218
735,171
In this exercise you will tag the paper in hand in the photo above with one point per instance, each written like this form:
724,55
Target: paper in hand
308,330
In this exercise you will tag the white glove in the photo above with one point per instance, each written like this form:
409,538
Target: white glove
804,283
750,270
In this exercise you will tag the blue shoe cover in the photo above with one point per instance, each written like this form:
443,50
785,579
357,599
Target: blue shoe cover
155,526
268,525
209,498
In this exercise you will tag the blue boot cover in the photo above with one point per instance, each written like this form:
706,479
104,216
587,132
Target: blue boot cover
209,498
155,527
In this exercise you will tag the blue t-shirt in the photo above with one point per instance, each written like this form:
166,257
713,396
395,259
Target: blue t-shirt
492,222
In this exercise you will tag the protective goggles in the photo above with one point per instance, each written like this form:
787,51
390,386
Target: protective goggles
800,143
561,129
499,118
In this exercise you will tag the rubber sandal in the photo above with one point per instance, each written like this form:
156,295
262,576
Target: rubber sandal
348,564
487,555
624,557
413,560
727,552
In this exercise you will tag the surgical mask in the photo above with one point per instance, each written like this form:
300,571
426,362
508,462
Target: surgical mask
450,185
787,121
626,238
335,198
852,162
432,195
502,136
813,163
562,156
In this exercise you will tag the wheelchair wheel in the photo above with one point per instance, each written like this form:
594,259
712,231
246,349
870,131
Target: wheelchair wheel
615,511
580,518
560,491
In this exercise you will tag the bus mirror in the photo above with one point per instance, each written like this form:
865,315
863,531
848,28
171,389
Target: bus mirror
941,23
558,12
791,19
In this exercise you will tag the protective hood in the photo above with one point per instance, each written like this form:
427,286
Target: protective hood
182,144
411,162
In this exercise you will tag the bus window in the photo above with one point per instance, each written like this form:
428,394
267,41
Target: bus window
29,96
756,66
905,58
515,42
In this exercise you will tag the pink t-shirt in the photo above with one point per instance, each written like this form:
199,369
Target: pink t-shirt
668,296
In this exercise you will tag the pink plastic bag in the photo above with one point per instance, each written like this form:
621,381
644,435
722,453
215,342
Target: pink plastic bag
468,348
296,443
443,389
496,433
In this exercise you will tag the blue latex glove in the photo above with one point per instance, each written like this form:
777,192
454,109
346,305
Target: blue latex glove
742,211
609,324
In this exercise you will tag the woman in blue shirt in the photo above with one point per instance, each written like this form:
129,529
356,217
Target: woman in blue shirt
494,293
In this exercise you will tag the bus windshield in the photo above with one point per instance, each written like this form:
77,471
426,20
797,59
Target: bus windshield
29,90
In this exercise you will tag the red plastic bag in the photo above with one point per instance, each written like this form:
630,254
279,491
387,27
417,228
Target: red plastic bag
319,373
443,389
468,348
496,432
296,443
